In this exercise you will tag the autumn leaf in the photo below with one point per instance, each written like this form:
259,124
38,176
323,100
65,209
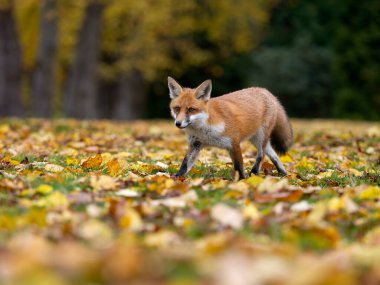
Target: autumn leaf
53,167
113,167
227,216
120,216
44,189
102,182
372,192
93,162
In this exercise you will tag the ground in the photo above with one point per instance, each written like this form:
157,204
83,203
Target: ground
95,203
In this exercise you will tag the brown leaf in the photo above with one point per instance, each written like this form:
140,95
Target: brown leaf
113,167
93,162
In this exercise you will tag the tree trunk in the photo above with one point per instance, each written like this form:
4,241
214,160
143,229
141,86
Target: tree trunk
81,95
131,99
10,66
43,78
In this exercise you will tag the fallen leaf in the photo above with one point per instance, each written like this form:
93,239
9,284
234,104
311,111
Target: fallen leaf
53,200
177,202
93,162
113,167
251,212
44,189
131,220
102,182
371,192
162,239
96,232
53,167
127,193
227,216
302,206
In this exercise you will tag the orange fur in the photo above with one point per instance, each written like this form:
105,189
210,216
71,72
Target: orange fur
243,115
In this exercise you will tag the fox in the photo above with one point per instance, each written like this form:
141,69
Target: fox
253,114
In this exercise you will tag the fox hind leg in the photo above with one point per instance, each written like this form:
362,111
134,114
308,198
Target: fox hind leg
274,158
258,140
237,160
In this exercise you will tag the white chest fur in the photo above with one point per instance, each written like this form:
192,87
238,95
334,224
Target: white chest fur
209,135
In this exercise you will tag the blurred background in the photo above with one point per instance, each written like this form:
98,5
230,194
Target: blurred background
110,59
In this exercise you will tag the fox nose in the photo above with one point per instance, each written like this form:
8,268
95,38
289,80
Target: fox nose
178,123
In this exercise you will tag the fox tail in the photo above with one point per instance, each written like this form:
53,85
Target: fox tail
282,135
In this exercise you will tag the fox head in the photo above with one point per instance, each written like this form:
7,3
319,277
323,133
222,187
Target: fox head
189,106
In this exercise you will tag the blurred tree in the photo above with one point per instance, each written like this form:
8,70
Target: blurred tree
10,63
80,98
145,40
356,66
342,48
299,75
44,73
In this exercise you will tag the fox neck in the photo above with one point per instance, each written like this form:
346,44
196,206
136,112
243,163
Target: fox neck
199,120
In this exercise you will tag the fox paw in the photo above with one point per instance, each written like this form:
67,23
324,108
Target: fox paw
177,175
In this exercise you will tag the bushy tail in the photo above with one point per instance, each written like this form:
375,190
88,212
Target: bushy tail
282,135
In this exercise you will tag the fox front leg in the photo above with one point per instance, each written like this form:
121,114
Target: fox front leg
194,148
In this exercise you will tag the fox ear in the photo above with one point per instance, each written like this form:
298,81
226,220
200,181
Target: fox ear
174,88
203,91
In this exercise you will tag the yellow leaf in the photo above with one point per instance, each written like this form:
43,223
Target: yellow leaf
304,163
251,212
10,160
162,239
4,128
324,174
355,172
113,167
106,157
183,222
72,161
239,186
254,180
131,220
93,162
103,182
96,232
54,200
44,189
123,163
371,192
335,204
318,213
212,244
286,158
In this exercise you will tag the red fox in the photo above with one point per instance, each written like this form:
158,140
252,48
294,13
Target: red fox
252,114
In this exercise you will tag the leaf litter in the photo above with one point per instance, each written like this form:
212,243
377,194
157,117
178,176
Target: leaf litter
97,204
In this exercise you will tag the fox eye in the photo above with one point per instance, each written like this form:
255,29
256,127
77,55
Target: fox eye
191,110
177,109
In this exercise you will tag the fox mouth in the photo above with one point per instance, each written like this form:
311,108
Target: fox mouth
183,127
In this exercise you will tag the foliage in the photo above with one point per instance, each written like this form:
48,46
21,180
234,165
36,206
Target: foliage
94,202
157,36
345,31
298,75
151,35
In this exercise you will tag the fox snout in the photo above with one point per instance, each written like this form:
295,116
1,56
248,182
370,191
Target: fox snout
182,124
